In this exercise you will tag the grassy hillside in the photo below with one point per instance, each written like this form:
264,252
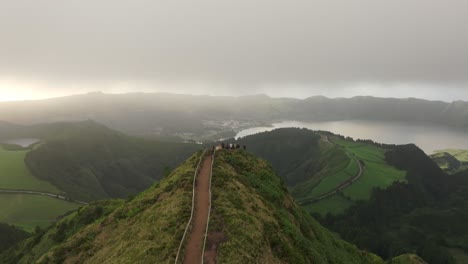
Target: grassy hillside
83,160
377,172
15,175
261,223
314,164
89,161
257,218
146,229
426,215
451,160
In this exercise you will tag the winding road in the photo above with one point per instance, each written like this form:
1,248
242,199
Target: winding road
53,195
342,185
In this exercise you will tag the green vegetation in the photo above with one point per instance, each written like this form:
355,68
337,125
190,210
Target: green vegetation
145,229
376,175
262,224
459,154
15,175
315,164
292,152
258,219
333,161
451,160
10,235
331,182
28,211
427,215
88,161
335,204
407,259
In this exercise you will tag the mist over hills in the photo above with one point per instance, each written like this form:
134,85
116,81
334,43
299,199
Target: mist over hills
90,161
169,114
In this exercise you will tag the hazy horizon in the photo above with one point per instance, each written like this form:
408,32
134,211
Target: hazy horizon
223,95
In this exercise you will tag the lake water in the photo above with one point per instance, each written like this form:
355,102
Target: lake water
428,137
24,142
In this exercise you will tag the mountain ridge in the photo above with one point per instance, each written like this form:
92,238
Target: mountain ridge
163,113
148,227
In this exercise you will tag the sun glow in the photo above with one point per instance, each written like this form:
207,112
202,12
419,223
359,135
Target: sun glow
17,91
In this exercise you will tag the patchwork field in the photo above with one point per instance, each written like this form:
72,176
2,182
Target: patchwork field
331,182
376,174
29,211
15,175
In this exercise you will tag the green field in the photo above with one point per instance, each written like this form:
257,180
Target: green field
27,211
333,205
375,175
376,172
15,175
363,151
331,182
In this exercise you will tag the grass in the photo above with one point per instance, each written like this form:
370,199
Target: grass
15,175
251,207
144,229
347,143
362,150
334,205
261,222
329,183
375,175
28,211
333,160
459,154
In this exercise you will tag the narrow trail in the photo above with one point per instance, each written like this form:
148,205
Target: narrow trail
32,192
193,251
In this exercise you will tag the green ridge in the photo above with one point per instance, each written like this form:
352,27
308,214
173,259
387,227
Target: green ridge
250,204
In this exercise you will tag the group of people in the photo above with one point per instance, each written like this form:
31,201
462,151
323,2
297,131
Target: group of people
230,146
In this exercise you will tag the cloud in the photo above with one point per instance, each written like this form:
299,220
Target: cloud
236,45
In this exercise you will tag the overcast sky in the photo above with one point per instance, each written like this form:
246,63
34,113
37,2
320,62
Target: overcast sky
392,48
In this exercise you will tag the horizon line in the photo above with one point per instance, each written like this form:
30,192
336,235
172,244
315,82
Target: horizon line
212,95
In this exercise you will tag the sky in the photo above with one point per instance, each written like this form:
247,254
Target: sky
293,48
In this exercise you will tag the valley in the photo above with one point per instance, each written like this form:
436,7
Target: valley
328,176
40,183
326,169
21,205
234,132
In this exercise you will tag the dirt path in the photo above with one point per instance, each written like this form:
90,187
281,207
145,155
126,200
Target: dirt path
193,251
52,195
